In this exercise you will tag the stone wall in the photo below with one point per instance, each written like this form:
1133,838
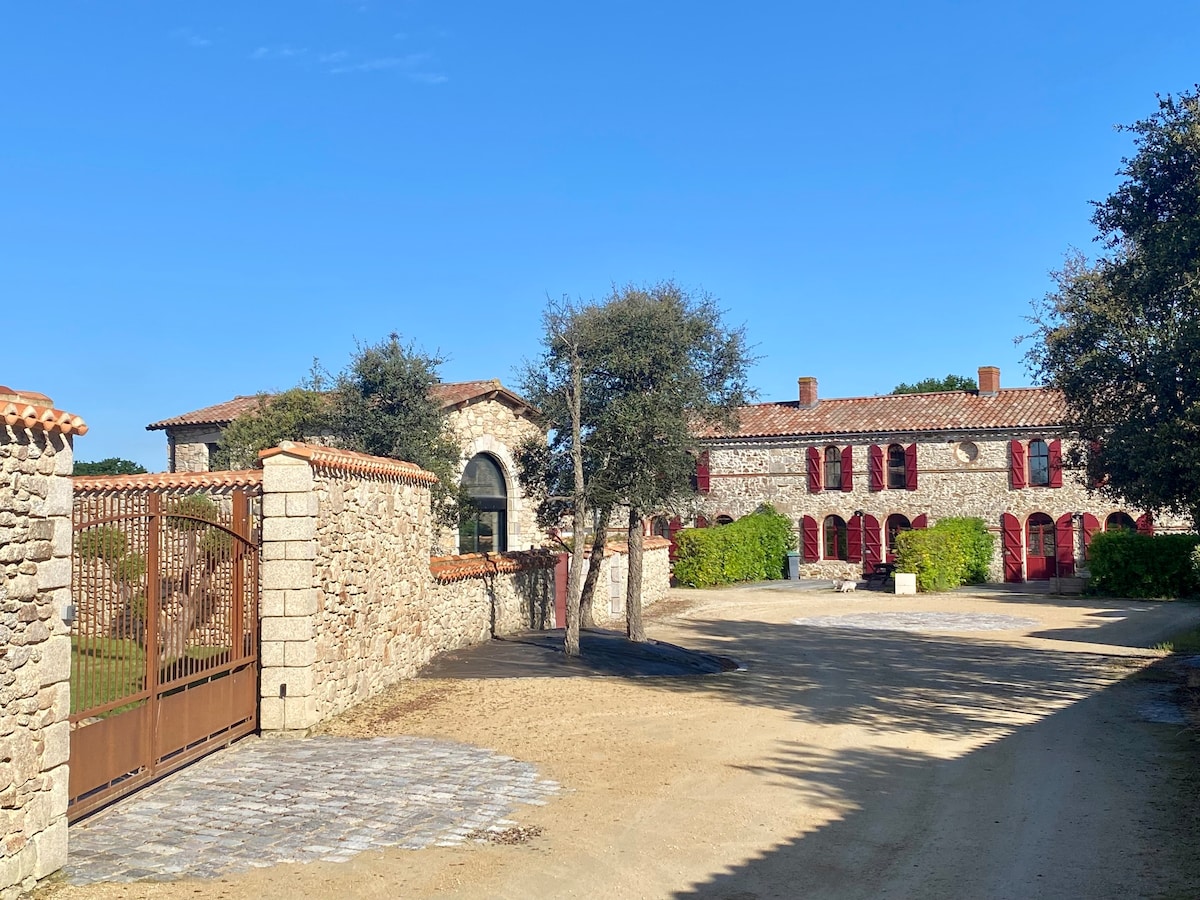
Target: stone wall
608,604
35,645
959,474
350,601
188,447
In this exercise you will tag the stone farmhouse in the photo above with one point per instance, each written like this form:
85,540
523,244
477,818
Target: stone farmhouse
490,422
854,472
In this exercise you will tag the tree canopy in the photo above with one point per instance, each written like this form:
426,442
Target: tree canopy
112,466
652,364
928,385
1120,336
382,403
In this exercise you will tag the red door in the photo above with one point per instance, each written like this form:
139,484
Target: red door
1040,544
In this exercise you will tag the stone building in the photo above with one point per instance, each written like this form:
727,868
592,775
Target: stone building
489,420
854,472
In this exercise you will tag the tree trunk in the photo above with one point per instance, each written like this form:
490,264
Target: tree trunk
634,629
587,598
579,508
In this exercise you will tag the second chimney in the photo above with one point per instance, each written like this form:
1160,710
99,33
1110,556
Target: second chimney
808,392
989,381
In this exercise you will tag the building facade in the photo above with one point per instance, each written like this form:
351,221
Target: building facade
854,472
490,422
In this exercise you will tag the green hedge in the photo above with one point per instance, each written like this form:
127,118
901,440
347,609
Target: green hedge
954,551
754,548
1128,564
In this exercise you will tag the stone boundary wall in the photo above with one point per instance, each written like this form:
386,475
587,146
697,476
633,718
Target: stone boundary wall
608,604
351,600
36,459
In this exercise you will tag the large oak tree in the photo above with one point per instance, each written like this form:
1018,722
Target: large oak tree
1120,336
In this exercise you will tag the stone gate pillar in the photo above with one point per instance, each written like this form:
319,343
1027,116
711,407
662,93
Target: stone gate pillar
35,644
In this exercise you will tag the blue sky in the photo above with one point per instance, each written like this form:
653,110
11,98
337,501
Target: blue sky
197,199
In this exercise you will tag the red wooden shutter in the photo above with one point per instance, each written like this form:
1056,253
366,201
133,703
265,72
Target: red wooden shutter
1016,464
673,528
810,539
921,521
1064,543
701,522
872,545
1090,526
1056,466
848,469
1011,539
814,470
703,472
910,467
854,539
1145,524
875,467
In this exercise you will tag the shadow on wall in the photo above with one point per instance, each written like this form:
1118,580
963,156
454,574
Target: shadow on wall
535,587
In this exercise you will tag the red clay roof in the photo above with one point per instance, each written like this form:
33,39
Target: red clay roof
452,394
158,480
31,410
476,565
939,411
352,461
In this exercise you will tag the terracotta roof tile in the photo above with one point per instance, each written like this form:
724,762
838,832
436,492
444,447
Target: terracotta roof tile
892,413
34,411
475,565
451,394
352,461
165,480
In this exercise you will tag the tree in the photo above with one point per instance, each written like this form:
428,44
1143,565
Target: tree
111,466
556,474
928,385
383,404
297,414
665,365
1120,336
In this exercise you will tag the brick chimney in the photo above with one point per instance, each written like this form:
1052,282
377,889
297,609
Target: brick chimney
989,381
808,392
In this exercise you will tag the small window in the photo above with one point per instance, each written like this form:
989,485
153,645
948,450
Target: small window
724,520
833,469
1039,463
660,527
896,474
1120,521
835,538
213,451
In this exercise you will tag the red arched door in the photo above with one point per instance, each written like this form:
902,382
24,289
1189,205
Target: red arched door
1040,553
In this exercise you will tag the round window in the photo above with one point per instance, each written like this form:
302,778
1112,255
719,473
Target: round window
967,452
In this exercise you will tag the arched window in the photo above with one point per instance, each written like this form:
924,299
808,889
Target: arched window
1039,463
724,520
896,474
833,469
1120,521
660,526
896,523
484,529
835,538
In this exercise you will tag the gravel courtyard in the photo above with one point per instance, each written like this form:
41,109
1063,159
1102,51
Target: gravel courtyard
997,745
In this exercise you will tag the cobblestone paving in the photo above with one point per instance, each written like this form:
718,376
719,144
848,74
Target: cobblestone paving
921,621
264,802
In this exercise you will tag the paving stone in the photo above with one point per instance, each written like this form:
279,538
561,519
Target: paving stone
264,802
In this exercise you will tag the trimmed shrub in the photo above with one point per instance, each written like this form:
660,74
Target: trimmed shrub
754,548
1150,566
954,551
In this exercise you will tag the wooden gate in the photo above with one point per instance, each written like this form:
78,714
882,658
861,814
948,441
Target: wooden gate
165,639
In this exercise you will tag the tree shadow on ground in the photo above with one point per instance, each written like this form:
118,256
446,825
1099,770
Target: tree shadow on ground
1054,765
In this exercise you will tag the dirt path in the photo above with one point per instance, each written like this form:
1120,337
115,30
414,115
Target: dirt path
844,763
